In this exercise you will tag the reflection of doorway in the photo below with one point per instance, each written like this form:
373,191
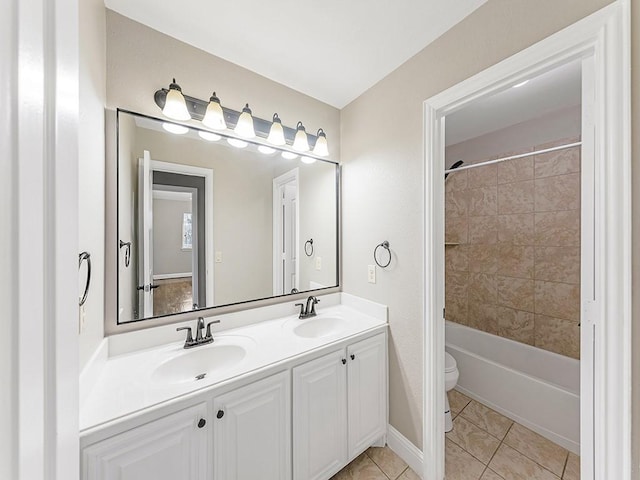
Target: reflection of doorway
285,233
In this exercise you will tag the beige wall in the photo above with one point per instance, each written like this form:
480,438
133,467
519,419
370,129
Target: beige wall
168,255
91,174
382,132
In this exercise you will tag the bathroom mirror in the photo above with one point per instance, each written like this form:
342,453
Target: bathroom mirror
203,223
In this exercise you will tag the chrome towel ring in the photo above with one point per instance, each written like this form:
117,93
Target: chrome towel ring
384,245
308,247
81,258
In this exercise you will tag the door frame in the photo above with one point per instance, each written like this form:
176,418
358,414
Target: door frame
602,39
279,181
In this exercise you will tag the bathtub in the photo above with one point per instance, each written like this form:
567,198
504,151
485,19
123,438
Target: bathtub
534,387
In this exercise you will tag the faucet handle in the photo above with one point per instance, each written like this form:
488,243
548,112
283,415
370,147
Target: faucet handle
189,340
302,309
208,335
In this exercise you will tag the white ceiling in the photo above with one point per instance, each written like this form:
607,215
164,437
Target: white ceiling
332,50
555,90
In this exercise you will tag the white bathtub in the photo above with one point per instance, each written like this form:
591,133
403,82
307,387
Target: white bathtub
536,388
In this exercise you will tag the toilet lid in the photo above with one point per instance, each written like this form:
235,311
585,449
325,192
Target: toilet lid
449,363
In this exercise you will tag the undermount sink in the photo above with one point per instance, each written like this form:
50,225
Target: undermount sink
319,327
198,363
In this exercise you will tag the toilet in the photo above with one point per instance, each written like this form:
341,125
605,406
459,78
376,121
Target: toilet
451,375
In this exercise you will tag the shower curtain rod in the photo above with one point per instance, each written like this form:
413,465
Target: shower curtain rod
514,157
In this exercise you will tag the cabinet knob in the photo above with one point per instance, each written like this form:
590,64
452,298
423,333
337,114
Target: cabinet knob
344,360
220,414
353,357
201,423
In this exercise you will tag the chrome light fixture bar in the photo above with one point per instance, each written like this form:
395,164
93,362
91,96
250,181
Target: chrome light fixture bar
197,109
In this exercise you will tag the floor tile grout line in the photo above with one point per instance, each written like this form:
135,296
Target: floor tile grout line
566,462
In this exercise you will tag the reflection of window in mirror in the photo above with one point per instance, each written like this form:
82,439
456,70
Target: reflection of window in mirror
187,240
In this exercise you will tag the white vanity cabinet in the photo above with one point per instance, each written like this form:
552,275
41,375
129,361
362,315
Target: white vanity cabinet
173,447
339,407
251,431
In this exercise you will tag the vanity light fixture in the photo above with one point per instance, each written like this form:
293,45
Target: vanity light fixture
266,150
321,149
300,142
209,136
276,132
214,116
236,142
175,106
244,127
174,128
307,160
289,155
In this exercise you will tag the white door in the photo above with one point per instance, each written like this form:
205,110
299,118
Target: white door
145,236
252,431
367,393
320,417
285,233
174,447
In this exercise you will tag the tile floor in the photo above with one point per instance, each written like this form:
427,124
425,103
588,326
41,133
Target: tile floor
483,445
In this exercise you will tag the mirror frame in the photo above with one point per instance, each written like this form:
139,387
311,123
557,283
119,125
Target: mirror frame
112,325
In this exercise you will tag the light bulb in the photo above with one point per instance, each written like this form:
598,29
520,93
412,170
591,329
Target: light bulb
266,150
307,160
321,149
209,136
300,142
237,143
244,128
214,117
276,133
174,105
289,155
173,128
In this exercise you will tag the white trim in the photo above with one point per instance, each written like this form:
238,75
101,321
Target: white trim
207,173
603,35
167,276
406,450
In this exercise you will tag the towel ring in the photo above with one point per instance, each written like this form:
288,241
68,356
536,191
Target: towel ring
384,245
127,252
81,258
308,245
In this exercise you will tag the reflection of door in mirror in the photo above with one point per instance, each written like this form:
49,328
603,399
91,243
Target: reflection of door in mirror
285,233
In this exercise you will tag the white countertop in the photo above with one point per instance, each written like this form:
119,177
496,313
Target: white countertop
126,383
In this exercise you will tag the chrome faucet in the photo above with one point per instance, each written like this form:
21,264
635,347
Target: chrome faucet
200,339
310,309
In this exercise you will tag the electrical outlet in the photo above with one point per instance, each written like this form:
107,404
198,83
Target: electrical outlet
218,257
318,263
371,274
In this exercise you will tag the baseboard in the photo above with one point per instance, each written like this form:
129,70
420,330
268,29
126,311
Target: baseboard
406,450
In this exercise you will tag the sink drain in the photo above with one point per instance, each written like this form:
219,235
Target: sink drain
201,376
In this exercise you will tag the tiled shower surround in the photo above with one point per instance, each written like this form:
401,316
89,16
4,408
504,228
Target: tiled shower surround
512,259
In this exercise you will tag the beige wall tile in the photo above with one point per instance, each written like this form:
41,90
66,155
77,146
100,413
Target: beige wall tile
473,439
483,288
455,203
559,162
558,228
517,197
556,299
456,229
456,258
511,464
483,176
558,335
460,465
515,260
483,258
482,201
537,448
557,193
517,325
515,170
482,316
517,293
483,230
456,294
557,264
456,180
517,229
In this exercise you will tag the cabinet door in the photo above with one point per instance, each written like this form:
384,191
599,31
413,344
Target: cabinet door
252,431
367,393
174,447
319,417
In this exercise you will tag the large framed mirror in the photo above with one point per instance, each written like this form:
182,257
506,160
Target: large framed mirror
204,221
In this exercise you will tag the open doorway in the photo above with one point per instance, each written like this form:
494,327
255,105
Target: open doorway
285,233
